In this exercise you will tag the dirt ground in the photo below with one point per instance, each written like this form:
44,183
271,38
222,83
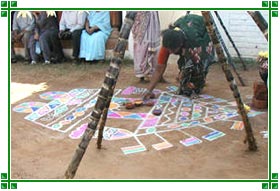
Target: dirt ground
40,153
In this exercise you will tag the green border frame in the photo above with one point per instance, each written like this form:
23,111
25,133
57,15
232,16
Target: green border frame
8,183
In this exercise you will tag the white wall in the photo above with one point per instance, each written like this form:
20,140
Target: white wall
244,32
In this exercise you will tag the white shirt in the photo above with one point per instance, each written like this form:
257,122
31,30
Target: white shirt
72,20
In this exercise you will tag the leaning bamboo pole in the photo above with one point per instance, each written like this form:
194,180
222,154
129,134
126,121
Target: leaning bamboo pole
230,61
103,120
230,39
222,60
260,21
104,94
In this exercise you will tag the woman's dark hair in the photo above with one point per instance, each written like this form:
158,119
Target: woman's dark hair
172,38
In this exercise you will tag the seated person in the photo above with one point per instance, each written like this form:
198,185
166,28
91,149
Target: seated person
70,27
46,32
22,28
95,35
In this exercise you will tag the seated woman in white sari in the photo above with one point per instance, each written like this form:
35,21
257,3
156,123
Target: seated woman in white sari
95,35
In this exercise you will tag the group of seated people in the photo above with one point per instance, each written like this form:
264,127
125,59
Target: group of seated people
41,33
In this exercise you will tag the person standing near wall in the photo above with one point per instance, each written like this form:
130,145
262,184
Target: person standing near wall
146,36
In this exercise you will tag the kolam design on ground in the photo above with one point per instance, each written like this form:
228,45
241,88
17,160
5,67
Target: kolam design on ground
68,112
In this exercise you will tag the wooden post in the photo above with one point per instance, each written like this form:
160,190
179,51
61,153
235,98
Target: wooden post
230,39
260,21
222,60
116,19
103,96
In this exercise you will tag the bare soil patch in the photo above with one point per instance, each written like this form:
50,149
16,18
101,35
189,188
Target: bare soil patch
40,153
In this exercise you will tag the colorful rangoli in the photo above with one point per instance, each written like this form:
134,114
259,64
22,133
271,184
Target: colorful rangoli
68,112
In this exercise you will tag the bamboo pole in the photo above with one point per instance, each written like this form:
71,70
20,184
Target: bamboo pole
103,121
230,61
260,21
222,60
230,39
103,96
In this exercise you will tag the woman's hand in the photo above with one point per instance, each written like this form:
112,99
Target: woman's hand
148,95
91,30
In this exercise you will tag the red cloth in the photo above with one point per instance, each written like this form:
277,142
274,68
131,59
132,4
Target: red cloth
163,55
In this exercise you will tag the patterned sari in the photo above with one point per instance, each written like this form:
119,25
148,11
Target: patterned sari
146,35
194,62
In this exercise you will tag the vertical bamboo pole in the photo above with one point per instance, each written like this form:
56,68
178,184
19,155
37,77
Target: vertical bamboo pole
222,60
103,96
